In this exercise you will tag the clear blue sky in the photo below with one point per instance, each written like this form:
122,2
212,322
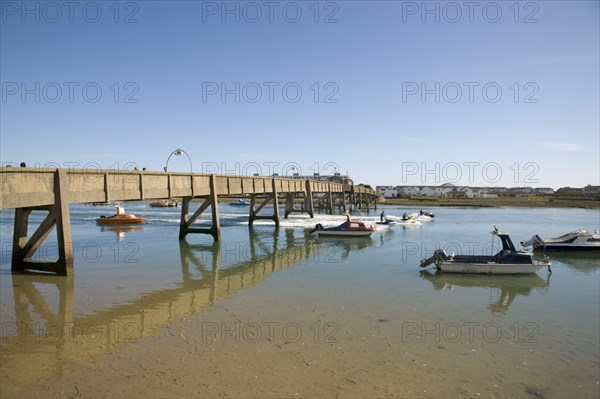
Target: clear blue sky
379,81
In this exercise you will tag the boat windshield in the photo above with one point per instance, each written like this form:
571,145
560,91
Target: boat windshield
506,242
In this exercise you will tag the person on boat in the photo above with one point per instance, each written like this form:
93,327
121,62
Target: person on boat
421,213
382,217
404,217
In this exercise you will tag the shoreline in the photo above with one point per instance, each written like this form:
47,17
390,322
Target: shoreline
541,202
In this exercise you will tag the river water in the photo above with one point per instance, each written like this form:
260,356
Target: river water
280,313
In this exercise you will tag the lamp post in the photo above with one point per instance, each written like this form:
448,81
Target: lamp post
178,151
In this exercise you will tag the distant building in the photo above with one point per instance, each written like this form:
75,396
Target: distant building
591,191
424,191
544,191
456,194
387,191
335,178
449,190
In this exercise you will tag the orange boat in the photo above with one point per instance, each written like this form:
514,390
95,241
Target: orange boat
120,217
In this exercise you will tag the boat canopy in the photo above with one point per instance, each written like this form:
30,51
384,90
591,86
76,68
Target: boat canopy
507,243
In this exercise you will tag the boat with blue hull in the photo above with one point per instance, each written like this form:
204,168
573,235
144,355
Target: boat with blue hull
239,202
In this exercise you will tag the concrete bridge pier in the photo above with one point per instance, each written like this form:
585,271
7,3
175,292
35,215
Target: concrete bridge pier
290,204
308,200
352,199
58,215
340,198
185,226
272,197
329,200
306,206
361,201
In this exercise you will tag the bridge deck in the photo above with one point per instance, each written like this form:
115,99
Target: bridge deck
52,190
31,187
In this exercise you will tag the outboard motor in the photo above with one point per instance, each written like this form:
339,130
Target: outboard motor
319,226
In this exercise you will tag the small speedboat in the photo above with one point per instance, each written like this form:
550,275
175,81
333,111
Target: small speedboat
163,204
387,222
120,217
239,202
507,261
349,228
578,240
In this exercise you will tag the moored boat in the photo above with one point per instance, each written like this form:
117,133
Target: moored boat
350,228
578,240
507,261
120,217
163,204
100,203
239,202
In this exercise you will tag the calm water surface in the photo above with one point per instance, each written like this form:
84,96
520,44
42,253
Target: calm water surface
528,336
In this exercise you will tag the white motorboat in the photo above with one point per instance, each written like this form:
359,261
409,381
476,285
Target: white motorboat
507,261
578,240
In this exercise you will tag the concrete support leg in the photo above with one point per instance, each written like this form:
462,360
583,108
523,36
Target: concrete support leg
64,264
306,206
58,215
329,201
289,204
308,200
343,202
270,198
185,226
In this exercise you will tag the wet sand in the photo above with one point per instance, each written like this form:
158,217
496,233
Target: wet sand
244,347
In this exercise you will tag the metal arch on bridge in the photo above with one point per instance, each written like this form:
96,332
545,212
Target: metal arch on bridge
52,190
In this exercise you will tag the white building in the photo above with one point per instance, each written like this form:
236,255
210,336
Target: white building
425,191
387,191
591,191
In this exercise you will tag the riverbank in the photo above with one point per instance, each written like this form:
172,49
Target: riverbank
528,202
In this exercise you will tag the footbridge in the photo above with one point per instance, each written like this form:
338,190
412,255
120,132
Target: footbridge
52,190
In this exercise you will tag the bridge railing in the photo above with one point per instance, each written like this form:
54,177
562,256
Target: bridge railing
28,187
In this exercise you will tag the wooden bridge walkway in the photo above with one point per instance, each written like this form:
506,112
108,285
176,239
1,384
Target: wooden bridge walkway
52,190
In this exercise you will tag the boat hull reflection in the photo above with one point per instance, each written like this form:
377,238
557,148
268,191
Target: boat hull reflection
509,286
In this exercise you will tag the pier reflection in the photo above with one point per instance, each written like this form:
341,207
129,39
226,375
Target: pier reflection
45,339
508,287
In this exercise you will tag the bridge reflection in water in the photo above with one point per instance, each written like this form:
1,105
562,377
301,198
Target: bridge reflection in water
46,340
